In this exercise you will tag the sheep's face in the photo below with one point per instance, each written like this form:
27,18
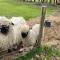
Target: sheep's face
4,26
24,31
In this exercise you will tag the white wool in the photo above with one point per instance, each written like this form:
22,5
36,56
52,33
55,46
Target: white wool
24,28
17,32
33,35
6,40
19,26
18,20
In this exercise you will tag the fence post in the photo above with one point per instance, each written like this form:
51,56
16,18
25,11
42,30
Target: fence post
41,26
41,29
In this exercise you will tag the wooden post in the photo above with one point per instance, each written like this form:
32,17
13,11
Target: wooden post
41,26
41,29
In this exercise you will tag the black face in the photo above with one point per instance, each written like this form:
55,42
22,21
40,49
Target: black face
24,34
4,29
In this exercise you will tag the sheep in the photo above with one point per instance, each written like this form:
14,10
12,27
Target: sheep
15,32
20,25
20,28
6,34
33,34
30,40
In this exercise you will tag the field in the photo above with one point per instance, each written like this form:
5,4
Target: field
12,8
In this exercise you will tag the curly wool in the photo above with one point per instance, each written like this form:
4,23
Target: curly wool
14,35
18,20
5,40
32,36
19,26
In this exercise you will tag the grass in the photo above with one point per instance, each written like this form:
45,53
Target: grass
46,52
10,9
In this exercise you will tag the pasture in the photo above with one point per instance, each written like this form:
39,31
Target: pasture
13,8
10,8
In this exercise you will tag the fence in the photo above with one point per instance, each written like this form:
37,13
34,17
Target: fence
42,1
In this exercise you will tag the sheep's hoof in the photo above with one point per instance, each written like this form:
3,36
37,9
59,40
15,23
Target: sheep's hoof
9,50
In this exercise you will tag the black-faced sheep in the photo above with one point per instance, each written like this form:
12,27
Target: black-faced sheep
11,35
6,33
20,28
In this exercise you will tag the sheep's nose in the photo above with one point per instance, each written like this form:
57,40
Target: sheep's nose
24,34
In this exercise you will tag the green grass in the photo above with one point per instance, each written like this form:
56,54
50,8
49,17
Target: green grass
9,9
47,52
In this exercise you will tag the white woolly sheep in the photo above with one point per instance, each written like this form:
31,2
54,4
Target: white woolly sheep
6,34
21,29
32,36
20,26
15,33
